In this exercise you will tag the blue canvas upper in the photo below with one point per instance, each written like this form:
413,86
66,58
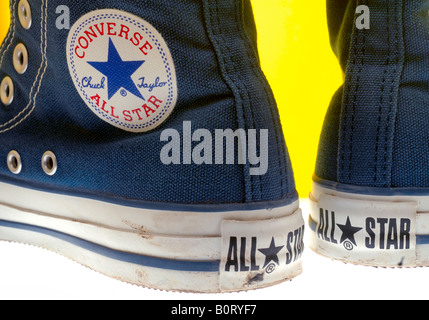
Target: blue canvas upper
376,132
220,85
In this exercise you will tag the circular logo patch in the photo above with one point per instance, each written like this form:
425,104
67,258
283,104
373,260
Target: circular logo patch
122,69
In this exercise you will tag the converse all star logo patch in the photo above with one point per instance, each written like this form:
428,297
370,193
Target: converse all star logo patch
123,69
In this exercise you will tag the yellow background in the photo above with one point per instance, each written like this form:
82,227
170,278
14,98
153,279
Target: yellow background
300,66
303,71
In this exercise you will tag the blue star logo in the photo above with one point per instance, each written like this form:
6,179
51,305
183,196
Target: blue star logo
118,72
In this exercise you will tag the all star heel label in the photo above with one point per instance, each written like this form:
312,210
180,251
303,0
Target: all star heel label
366,231
123,70
255,253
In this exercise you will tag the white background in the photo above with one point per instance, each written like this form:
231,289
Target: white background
27,272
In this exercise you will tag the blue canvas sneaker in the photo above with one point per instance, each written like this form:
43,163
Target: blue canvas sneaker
371,186
141,139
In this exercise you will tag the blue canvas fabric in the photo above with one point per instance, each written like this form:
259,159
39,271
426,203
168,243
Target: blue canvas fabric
220,85
376,129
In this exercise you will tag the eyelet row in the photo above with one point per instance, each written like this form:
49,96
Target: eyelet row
49,162
20,55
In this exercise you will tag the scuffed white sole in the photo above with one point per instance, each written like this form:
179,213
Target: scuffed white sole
168,250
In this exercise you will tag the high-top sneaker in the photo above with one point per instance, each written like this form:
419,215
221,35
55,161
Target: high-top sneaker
371,186
141,139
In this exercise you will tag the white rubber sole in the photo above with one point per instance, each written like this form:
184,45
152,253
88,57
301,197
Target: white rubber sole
168,250
374,230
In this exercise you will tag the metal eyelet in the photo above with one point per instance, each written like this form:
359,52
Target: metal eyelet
7,91
24,14
20,58
14,162
49,163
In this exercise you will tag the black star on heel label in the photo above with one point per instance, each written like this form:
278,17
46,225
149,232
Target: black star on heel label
348,232
271,253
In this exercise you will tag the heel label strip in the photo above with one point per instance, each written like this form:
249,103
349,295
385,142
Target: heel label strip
258,252
365,231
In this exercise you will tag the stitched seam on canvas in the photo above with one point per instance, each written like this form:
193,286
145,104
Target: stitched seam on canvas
43,66
382,176
280,146
230,71
11,33
381,102
346,144
216,37
393,102
246,90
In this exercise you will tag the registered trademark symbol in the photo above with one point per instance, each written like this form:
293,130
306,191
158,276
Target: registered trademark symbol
270,268
124,93
348,246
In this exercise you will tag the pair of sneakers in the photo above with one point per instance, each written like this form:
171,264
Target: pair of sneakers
142,140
